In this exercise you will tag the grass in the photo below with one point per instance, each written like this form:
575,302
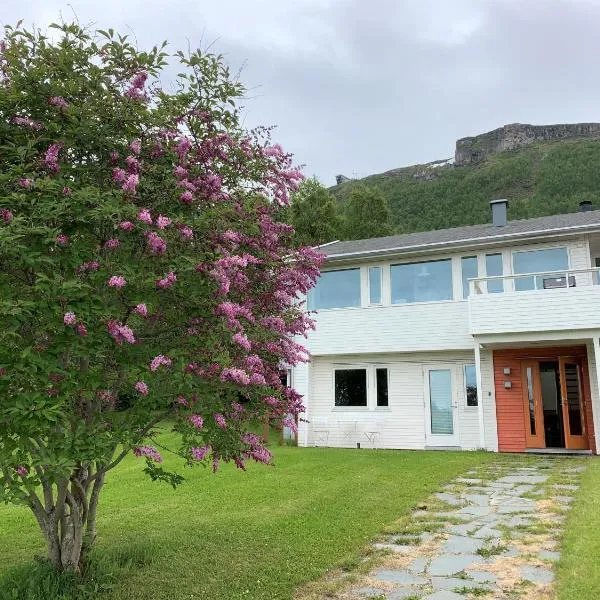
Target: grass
578,571
233,535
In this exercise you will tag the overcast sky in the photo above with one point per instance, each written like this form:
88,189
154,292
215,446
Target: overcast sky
363,86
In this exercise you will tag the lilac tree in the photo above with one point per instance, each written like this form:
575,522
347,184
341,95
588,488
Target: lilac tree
143,273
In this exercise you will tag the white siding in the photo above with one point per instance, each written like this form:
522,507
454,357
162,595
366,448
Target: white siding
402,424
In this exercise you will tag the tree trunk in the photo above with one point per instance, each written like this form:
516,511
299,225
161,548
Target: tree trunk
68,518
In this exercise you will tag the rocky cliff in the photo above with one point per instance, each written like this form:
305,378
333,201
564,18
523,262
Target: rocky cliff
471,150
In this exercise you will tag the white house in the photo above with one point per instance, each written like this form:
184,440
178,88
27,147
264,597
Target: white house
485,336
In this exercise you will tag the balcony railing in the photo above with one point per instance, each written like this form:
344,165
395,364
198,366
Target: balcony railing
543,280
548,301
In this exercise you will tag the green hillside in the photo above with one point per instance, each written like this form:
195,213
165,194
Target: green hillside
541,179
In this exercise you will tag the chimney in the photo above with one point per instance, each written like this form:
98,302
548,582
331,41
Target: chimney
499,210
585,206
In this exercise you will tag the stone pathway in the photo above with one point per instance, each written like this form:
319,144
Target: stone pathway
492,534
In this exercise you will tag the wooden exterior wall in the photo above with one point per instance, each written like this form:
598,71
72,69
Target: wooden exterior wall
509,402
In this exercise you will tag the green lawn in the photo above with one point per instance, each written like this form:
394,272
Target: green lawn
578,572
254,535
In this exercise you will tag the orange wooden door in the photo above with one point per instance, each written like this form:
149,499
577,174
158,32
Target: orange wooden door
573,408
533,408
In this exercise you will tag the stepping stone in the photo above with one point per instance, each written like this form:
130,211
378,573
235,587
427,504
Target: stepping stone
448,498
369,592
533,479
549,555
463,529
401,594
418,565
517,505
522,489
444,595
563,499
477,499
478,511
457,544
501,486
399,576
401,548
450,583
483,576
518,521
537,575
575,470
449,564
566,486
487,532
469,480
512,552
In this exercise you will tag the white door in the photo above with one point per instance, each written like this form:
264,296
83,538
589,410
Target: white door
441,412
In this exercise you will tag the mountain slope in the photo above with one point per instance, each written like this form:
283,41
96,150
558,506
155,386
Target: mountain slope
542,178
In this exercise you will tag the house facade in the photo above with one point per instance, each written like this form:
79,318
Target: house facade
474,337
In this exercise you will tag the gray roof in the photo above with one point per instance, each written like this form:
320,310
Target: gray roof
472,235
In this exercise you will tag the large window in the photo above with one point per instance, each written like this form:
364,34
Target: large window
538,261
469,271
381,376
336,289
471,385
421,282
350,387
494,268
374,285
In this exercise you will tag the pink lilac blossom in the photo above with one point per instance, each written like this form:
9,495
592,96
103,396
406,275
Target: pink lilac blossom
127,225
159,360
199,453
181,401
130,185
148,452
242,340
27,123
167,281
186,197
120,333
235,375
186,232
133,164
111,244
183,147
114,157
142,388
162,221
81,330
58,101
21,471
232,236
145,216
51,157
136,146
117,281
69,318
197,421
141,309
156,245
180,172
119,175
88,267
67,191
6,215
257,379
220,420
26,183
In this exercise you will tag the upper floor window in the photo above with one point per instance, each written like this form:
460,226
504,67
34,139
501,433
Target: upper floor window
336,289
538,261
375,285
469,271
494,268
421,282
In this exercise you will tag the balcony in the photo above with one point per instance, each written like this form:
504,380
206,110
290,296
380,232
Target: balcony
536,302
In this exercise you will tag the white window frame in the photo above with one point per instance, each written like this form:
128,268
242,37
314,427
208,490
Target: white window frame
360,304
464,387
371,374
382,272
460,258
537,249
448,258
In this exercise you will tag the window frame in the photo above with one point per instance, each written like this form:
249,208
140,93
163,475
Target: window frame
462,278
381,275
464,386
376,398
522,276
360,297
503,283
447,259
352,367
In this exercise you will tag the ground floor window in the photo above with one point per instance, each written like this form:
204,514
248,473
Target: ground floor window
471,385
381,376
350,387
